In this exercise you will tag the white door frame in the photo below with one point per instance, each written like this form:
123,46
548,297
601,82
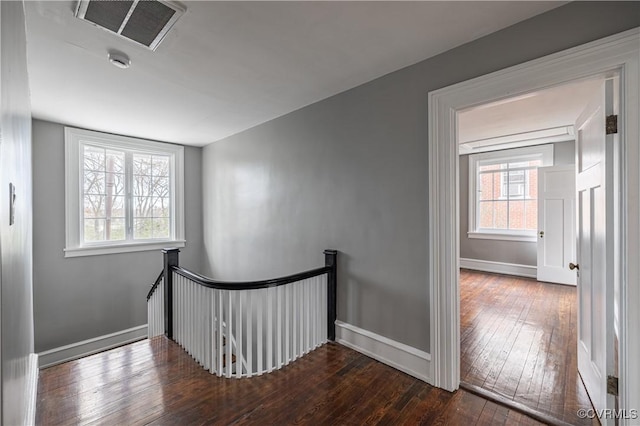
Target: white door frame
618,53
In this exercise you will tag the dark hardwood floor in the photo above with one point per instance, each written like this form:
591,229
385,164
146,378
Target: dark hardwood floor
518,339
156,382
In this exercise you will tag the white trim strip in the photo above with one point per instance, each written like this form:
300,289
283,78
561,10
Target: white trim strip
91,346
31,389
402,357
499,267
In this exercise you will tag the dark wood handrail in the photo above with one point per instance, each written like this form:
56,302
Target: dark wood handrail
249,285
155,285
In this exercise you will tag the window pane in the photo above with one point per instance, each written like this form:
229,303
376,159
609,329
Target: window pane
513,184
485,219
161,228
160,186
487,186
160,165
114,161
104,221
161,207
93,158
143,229
531,214
116,229
500,215
141,185
532,183
114,183
94,230
117,207
94,206
142,207
94,182
142,164
516,214
99,206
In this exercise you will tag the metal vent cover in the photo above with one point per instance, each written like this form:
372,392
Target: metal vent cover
145,22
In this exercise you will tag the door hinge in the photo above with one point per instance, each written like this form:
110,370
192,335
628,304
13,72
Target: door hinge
612,385
612,124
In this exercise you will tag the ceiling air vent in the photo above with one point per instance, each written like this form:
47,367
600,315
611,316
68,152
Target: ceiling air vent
145,22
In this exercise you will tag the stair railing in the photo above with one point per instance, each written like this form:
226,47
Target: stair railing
242,329
155,307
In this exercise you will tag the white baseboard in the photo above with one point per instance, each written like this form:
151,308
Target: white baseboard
31,389
403,357
499,267
91,346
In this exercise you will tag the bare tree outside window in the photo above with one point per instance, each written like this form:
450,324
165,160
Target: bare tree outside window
105,201
151,197
104,191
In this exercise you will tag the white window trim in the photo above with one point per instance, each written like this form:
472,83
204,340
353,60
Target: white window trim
74,246
546,151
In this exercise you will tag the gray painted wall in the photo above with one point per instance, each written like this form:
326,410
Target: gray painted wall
350,173
518,252
84,297
15,241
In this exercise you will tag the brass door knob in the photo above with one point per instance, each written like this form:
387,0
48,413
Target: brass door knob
573,266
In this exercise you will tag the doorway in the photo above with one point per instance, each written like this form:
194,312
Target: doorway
618,53
517,177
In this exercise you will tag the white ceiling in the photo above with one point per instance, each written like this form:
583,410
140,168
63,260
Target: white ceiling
228,66
546,109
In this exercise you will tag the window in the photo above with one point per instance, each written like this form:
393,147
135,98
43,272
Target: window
122,194
503,195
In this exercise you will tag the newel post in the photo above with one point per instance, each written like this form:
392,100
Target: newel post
170,260
330,260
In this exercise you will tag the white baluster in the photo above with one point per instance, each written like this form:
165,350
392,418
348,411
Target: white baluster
319,311
278,308
307,316
189,315
212,330
177,300
176,317
249,351
300,303
195,323
229,334
314,311
260,325
180,300
295,320
287,322
270,329
160,310
201,323
239,347
220,331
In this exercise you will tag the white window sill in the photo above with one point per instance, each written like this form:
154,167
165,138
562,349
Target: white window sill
122,248
504,236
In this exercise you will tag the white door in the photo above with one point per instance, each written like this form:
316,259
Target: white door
594,160
556,224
